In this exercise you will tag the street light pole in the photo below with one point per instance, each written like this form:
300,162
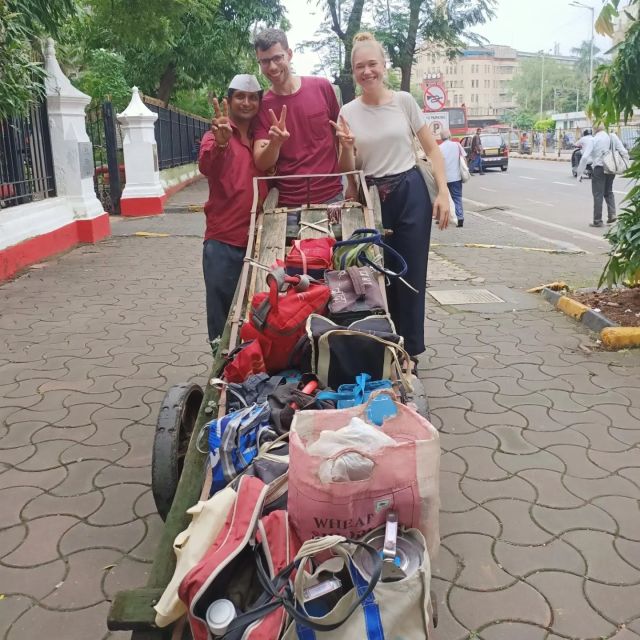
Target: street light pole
581,5
542,85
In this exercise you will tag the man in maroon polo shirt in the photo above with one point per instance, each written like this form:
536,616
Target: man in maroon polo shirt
226,159
293,130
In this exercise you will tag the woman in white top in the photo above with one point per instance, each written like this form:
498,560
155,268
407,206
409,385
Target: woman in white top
376,135
452,151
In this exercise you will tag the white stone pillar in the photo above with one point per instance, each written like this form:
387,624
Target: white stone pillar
72,150
143,194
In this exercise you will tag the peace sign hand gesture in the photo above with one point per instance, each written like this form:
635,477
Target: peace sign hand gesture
343,133
278,132
221,125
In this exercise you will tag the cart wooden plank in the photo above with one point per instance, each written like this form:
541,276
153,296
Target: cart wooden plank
272,245
317,217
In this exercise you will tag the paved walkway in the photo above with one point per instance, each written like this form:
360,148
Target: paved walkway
540,433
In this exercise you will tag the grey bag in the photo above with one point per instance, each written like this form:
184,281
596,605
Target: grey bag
355,294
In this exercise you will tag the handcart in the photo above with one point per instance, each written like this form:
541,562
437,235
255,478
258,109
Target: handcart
179,465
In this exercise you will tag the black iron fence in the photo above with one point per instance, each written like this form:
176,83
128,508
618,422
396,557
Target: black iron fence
178,134
109,178
26,165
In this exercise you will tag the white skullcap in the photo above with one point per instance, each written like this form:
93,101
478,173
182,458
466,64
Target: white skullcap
245,82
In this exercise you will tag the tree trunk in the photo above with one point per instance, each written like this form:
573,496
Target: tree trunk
167,82
409,49
345,81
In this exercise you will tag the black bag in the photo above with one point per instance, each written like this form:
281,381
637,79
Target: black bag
254,390
355,294
371,345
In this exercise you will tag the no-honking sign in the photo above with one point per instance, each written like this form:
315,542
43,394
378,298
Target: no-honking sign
435,97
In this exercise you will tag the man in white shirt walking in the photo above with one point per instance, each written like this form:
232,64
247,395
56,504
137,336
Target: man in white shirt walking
452,152
593,151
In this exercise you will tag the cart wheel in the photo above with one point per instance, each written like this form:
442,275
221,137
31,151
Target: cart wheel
177,417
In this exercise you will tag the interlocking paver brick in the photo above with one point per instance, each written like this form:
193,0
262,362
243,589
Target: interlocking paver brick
629,551
577,462
46,456
13,500
40,545
523,560
11,538
75,434
550,489
13,457
478,438
511,513
11,608
632,473
544,439
510,630
48,505
124,537
482,420
41,479
78,452
541,459
126,575
478,520
118,505
519,602
78,477
452,499
604,563
479,570
481,464
587,516
625,512
630,437
19,435
116,474
35,582
482,490
618,416
588,489
572,615
39,622
511,439
82,586
617,603
448,565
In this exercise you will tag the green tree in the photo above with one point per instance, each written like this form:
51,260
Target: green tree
179,44
22,23
405,25
106,75
616,93
563,90
583,53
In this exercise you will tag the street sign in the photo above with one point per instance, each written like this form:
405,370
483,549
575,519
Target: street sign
435,97
437,121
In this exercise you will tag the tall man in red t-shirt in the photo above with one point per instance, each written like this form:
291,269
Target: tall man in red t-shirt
226,158
293,129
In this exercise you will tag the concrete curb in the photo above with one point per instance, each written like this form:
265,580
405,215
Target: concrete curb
546,158
612,335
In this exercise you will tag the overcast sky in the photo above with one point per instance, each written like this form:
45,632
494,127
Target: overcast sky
524,24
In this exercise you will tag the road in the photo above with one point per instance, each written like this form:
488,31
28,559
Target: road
541,197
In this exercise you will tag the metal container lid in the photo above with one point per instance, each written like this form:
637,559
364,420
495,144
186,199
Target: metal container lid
409,555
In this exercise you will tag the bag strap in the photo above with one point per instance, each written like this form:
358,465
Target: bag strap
298,245
358,283
360,236
373,236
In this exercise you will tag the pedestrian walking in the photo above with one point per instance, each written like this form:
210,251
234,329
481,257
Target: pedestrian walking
476,153
593,151
452,152
226,159
376,133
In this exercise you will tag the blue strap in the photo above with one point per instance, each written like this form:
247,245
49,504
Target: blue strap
372,619
304,633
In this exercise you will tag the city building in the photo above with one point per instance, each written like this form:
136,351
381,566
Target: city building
480,78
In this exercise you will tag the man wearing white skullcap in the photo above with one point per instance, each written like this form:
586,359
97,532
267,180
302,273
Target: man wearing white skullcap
226,159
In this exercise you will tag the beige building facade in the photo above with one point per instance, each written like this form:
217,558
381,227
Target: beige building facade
479,78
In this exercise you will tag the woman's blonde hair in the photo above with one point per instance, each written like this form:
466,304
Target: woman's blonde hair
364,38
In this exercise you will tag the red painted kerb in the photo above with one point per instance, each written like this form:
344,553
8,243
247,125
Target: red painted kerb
30,251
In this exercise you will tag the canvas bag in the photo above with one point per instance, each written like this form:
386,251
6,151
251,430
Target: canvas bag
311,255
404,478
393,610
244,361
379,349
278,317
613,161
465,174
228,568
355,294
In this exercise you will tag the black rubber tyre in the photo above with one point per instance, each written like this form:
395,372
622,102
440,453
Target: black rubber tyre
503,168
176,420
